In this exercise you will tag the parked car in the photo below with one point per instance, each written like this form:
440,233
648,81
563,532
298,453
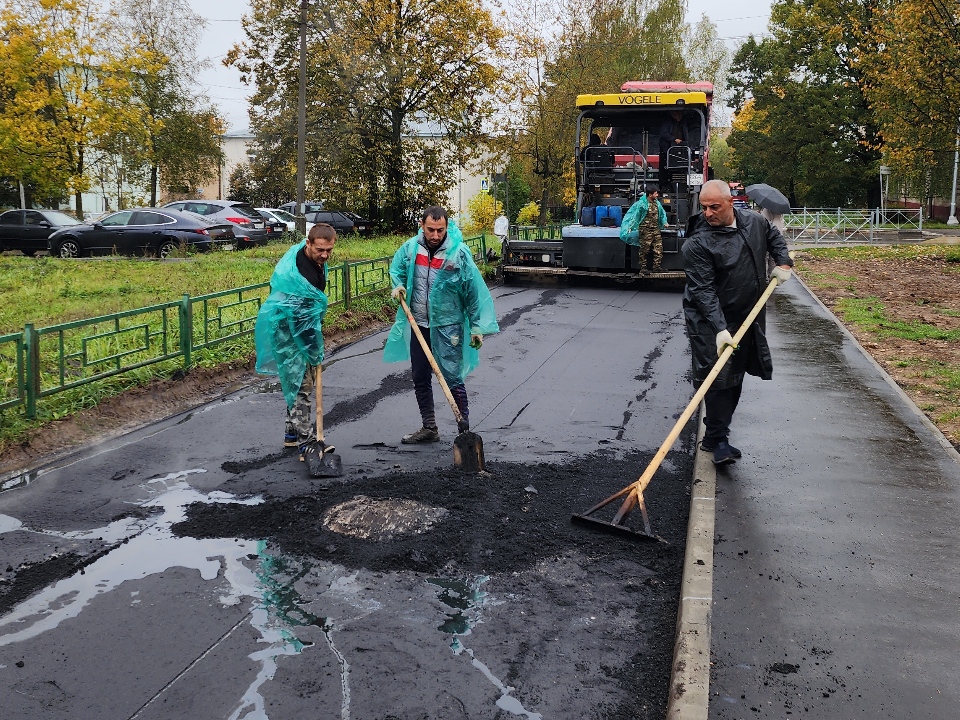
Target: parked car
283,216
249,225
343,222
28,230
309,206
277,222
146,231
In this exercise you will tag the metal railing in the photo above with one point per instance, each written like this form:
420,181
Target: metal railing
847,226
528,233
40,362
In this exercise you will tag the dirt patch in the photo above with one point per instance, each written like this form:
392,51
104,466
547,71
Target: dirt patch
503,525
904,308
141,406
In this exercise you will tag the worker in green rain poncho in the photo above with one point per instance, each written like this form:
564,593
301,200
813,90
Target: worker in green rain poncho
288,332
450,302
641,226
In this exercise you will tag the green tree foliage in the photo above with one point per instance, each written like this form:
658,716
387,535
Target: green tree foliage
515,191
804,125
382,74
720,157
570,47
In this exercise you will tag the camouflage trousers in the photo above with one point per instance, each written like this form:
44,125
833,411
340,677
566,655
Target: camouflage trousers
298,417
651,239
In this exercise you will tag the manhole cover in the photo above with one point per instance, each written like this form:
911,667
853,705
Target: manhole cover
370,519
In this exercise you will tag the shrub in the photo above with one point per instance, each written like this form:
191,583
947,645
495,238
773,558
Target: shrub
483,210
530,214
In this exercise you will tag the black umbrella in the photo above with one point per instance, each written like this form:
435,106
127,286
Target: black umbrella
770,198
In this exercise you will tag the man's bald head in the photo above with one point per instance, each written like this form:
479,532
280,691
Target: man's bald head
717,203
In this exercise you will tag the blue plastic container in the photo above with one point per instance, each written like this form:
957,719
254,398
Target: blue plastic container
601,213
588,215
616,213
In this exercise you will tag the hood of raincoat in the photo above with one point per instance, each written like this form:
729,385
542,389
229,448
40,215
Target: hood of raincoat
288,333
459,296
630,227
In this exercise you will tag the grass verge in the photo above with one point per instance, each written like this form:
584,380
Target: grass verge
901,304
47,291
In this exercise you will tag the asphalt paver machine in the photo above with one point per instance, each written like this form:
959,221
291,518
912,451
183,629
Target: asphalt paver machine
650,133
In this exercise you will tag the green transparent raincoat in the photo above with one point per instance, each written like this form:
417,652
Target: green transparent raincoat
630,227
458,298
288,331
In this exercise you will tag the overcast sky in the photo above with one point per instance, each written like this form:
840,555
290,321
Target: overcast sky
734,21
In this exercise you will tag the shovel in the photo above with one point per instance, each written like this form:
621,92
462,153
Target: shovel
468,446
320,459
634,492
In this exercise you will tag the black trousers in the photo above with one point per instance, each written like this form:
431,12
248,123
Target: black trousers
423,382
721,404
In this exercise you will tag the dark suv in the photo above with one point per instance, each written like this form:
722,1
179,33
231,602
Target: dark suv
343,222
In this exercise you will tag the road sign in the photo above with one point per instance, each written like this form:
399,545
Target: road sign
484,185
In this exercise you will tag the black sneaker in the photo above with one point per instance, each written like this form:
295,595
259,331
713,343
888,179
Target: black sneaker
423,435
290,436
711,445
725,454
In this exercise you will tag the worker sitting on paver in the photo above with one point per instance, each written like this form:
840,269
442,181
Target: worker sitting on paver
449,300
640,227
725,261
288,333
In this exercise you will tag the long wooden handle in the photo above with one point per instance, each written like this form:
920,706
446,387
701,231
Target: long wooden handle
319,405
433,363
644,480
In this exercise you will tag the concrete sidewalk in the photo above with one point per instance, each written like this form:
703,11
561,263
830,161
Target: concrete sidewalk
836,592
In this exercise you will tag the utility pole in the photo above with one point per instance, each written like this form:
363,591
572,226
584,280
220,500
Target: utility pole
23,200
952,220
302,123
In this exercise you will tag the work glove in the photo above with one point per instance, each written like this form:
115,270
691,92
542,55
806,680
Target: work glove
724,338
398,292
476,340
781,274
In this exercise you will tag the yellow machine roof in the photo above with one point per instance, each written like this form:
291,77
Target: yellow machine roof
641,99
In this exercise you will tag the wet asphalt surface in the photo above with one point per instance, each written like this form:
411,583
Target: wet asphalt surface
182,571
835,584
836,591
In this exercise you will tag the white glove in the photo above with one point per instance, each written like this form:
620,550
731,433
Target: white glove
398,292
781,274
724,338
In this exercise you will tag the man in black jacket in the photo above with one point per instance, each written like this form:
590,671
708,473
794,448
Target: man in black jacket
725,261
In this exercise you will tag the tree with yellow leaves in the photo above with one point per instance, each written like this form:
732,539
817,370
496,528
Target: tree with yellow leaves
64,86
909,53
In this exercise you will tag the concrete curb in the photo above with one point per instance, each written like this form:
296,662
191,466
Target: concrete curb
937,434
690,676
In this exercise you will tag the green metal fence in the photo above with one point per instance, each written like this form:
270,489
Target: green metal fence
528,233
40,362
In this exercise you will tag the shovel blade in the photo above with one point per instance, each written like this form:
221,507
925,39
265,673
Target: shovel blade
613,528
468,452
320,464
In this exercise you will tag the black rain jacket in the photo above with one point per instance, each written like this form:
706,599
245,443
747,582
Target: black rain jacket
726,274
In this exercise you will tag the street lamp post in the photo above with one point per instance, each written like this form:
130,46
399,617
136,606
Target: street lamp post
952,220
302,124
885,170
